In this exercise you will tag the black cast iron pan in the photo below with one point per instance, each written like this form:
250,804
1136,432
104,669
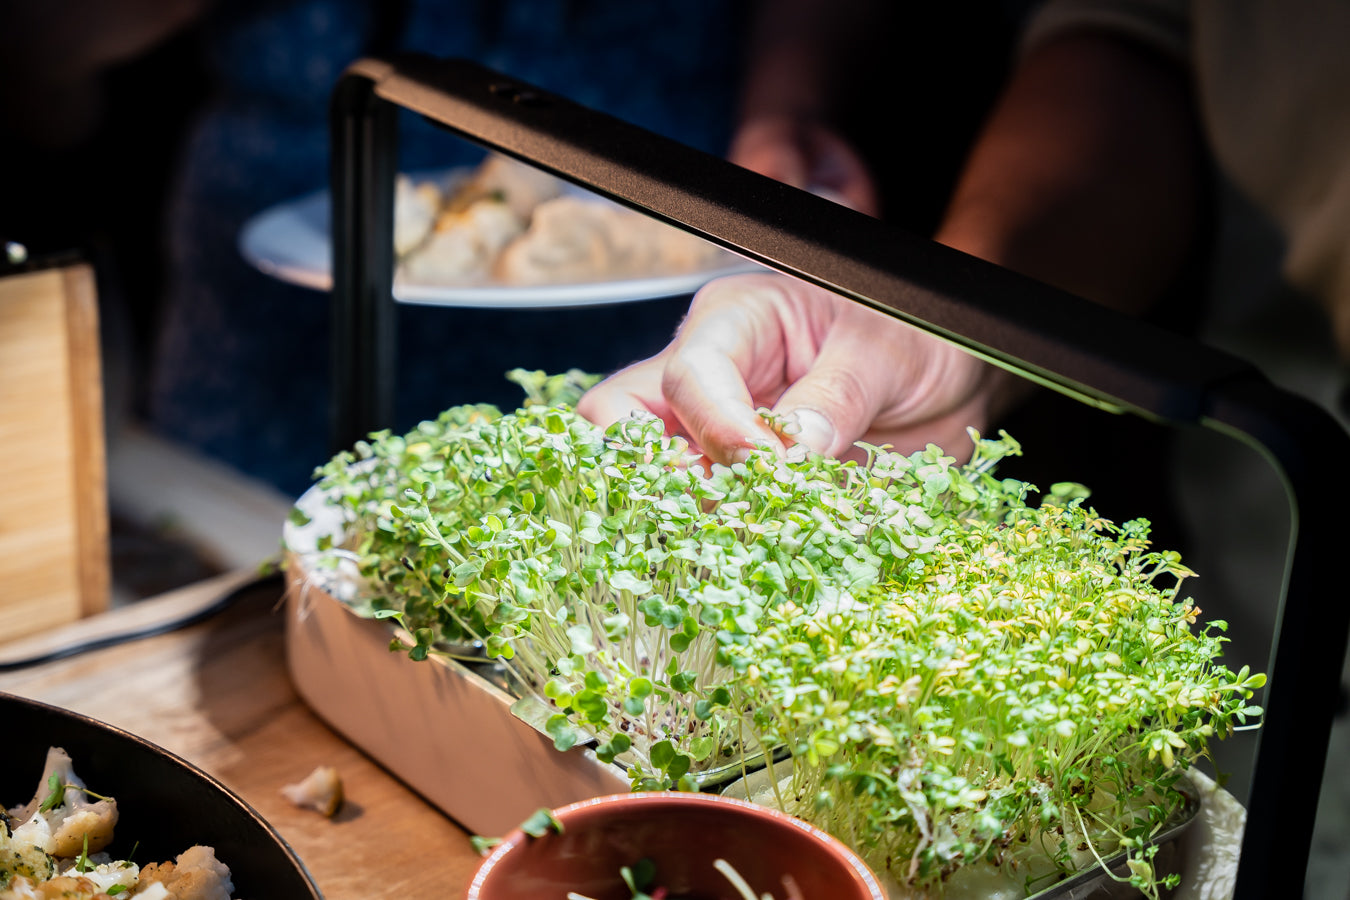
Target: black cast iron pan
165,804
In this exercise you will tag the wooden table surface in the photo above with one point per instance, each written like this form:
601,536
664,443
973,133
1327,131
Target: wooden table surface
217,694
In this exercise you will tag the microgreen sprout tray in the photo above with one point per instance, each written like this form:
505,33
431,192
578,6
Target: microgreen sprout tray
964,673
1093,880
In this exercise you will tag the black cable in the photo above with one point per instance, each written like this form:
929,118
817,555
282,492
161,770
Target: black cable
218,606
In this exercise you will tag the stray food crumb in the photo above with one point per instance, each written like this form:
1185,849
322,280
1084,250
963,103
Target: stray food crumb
321,791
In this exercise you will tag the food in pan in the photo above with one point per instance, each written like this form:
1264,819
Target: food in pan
54,847
511,224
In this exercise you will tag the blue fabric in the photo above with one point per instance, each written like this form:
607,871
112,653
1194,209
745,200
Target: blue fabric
241,370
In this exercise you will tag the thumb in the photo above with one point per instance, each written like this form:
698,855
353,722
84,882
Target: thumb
835,402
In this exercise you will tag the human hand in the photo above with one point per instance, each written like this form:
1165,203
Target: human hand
806,154
831,370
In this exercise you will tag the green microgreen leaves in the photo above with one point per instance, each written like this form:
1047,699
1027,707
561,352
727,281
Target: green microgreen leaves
639,878
568,551
82,863
56,793
951,667
1025,666
536,825
540,823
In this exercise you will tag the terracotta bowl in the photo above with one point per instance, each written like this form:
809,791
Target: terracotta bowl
683,834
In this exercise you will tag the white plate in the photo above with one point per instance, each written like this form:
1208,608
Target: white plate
290,241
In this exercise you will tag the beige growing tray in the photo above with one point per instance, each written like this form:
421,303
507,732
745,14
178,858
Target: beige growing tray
441,728
437,725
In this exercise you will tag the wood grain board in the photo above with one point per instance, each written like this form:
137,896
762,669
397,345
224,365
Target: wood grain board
53,509
218,695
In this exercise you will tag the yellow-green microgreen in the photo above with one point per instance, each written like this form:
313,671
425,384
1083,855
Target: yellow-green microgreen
960,675
1029,675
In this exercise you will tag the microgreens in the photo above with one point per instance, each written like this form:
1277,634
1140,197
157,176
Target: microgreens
1019,687
483,845
958,673
639,878
56,793
540,823
82,863
606,570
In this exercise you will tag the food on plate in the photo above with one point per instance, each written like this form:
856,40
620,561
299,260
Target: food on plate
463,244
415,207
54,847
520,187
511,224
572,239
320,790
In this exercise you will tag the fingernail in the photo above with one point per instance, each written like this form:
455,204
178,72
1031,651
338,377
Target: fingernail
812,429
740,455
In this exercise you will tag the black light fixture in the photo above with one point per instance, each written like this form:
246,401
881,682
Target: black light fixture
1054,338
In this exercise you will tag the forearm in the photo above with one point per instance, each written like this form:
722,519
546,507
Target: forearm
1088,174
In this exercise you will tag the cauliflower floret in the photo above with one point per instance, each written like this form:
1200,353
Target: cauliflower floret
321,791
196,875
35,833
21,860
72,826
56,853
105,873
62,887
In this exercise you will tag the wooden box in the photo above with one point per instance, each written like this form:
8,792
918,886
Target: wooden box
54,564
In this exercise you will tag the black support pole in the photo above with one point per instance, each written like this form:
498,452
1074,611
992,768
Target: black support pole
363,322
